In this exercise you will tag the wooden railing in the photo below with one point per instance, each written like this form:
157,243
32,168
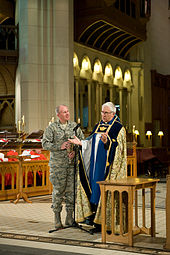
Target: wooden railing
23,179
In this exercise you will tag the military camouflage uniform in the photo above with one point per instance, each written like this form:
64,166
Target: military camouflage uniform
61,168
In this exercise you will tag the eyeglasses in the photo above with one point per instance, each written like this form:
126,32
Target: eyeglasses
106,113
64,112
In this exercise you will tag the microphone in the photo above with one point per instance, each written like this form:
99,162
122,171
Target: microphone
76,127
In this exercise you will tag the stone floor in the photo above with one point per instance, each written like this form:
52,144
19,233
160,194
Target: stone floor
32,221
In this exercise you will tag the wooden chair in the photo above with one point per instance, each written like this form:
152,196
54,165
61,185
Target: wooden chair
131,159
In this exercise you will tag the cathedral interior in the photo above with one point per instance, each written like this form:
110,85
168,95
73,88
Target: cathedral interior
85,53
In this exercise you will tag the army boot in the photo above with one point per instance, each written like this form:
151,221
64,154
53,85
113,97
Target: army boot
57,220
69,219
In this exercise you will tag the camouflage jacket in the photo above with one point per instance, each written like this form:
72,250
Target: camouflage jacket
54,136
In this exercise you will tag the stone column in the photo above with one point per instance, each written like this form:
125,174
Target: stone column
120,102
89,105
45,59
77,98
141,107
100,95
135,95
129,109
111,92
81,85
97,101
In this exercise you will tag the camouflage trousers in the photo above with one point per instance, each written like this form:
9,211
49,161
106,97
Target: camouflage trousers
62,180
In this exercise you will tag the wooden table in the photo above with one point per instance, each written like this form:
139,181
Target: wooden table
129,187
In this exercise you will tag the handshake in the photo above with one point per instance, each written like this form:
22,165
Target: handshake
76,141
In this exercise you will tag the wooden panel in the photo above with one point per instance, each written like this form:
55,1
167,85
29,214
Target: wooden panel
167,245
9,172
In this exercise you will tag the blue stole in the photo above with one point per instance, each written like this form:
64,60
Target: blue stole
97,169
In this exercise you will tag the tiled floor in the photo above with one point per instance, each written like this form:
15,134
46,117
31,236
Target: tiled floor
18,247
35,219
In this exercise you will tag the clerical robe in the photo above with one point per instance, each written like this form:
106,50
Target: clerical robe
100,162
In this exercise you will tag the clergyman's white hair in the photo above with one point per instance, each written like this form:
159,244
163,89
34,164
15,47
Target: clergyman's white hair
110,105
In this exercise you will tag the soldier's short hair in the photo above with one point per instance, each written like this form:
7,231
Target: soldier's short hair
57,110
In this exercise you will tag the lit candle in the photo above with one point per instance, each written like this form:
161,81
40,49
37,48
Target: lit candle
23,120
49,122
19,126
78,120
52,120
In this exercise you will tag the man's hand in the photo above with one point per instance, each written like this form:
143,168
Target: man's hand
65,146
104,137
71,155
75,140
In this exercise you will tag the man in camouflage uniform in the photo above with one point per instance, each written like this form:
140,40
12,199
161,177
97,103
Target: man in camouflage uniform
55,139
